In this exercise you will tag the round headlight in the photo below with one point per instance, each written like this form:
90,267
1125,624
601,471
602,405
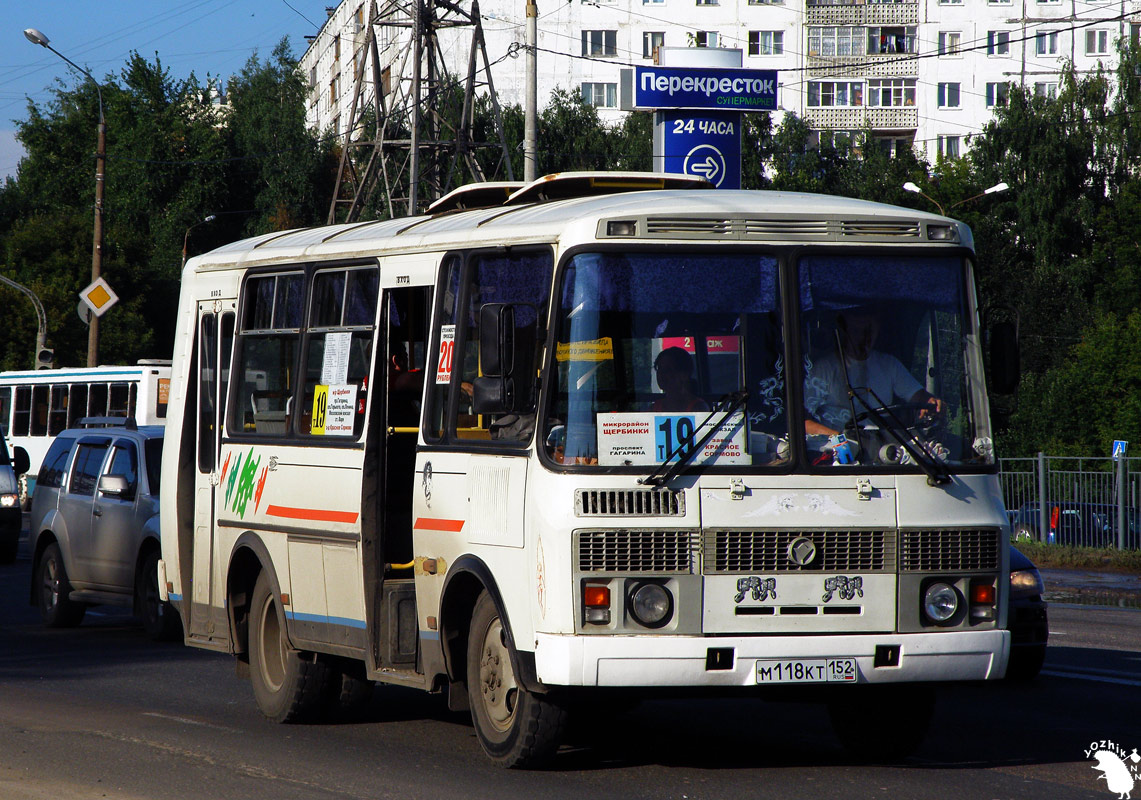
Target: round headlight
940,602
651,605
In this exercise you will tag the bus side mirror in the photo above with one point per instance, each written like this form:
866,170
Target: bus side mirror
495,391
20,460
1004,358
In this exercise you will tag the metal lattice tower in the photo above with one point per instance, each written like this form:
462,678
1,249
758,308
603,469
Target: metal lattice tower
410,127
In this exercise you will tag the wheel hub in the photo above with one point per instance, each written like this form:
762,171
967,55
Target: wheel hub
496,678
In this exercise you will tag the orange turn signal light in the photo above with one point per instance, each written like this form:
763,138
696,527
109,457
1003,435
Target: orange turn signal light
596,596
982,594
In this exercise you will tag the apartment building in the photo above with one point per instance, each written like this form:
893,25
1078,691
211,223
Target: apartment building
922,73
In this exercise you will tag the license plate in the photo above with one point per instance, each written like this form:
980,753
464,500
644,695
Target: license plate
823,670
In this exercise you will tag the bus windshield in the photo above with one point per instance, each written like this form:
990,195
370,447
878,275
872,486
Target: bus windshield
651,345
654,349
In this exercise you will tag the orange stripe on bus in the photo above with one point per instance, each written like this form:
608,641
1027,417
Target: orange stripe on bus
315,514
430,524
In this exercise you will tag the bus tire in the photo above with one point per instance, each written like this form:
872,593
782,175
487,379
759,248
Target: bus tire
882,723
289,686
516,727
160,621
57,609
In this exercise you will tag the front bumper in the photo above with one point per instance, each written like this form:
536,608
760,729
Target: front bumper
676,661
11,523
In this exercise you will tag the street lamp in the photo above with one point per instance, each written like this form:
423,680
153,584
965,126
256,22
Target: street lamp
44,355
998,187
35,37
186,236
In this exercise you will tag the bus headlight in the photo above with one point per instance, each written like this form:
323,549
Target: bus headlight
9,500
651,605
940,602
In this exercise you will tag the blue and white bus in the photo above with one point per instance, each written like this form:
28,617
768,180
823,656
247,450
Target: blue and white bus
35,405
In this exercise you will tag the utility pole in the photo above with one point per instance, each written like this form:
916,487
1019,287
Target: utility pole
530,120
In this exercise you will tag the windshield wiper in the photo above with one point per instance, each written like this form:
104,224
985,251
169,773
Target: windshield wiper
666,471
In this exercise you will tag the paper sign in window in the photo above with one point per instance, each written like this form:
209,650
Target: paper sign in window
335,363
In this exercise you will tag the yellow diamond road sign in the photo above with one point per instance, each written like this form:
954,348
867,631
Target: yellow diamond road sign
99,297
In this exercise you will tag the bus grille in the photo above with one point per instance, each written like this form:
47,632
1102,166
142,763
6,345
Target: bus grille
768,551
949,551
629,503
636,551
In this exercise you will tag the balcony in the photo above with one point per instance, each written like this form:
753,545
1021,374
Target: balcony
834,12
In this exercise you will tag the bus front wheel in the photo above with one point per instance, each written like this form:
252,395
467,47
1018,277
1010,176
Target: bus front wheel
516,727
288,685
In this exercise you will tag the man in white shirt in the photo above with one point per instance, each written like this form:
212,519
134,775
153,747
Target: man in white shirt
826,392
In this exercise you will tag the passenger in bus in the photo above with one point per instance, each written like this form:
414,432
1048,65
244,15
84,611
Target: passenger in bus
405,389
826,392
674,368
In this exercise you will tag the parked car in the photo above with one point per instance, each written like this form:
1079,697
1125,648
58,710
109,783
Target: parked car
1084,524
1029,626
11,517
94,526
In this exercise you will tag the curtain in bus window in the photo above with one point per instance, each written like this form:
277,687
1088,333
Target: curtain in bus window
40,399
22,415
76,404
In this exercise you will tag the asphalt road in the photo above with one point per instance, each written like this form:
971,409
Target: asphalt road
102,712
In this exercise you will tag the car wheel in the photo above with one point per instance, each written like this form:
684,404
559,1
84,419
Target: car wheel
160,620
288,684
868,732
57,609
516,727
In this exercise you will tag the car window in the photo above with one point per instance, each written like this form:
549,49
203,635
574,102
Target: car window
125,462
85,474
55,464
153,451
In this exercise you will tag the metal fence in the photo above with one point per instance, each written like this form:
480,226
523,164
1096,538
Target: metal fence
1091,502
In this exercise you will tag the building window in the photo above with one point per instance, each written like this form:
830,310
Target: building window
706,39
1097,43
998,2
950,2
337,48
766,43
600,95
1049,2
893,39
766,2
1046,89
707,2
836,41
1135,33
891,92
950,42
948,146
651,41
826,94
997,94
600,43
998,43
948,95
652,2
1046,43
894,145
312,77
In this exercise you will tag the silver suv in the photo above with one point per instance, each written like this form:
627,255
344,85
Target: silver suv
94,525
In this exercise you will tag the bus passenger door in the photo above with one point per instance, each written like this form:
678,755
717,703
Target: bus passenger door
215,344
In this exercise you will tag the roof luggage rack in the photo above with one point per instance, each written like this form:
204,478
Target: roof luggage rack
563,185
476,195
127,423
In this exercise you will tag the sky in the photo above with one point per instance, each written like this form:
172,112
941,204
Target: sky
206,37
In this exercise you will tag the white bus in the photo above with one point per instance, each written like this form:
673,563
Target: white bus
449,463
35,405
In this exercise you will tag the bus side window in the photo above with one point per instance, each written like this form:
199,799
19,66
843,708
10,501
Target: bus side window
22,417
338,357
76,404
268,344
5,410
57,417
40,400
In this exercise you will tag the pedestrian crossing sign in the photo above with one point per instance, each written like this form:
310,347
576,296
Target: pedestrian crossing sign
1119,446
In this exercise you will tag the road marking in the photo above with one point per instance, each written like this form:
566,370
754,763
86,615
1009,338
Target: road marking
1082,676
189,721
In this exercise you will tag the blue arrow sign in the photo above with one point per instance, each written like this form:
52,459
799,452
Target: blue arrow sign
702,143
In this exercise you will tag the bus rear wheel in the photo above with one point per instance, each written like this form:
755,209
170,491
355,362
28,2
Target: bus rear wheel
516,727
288,684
